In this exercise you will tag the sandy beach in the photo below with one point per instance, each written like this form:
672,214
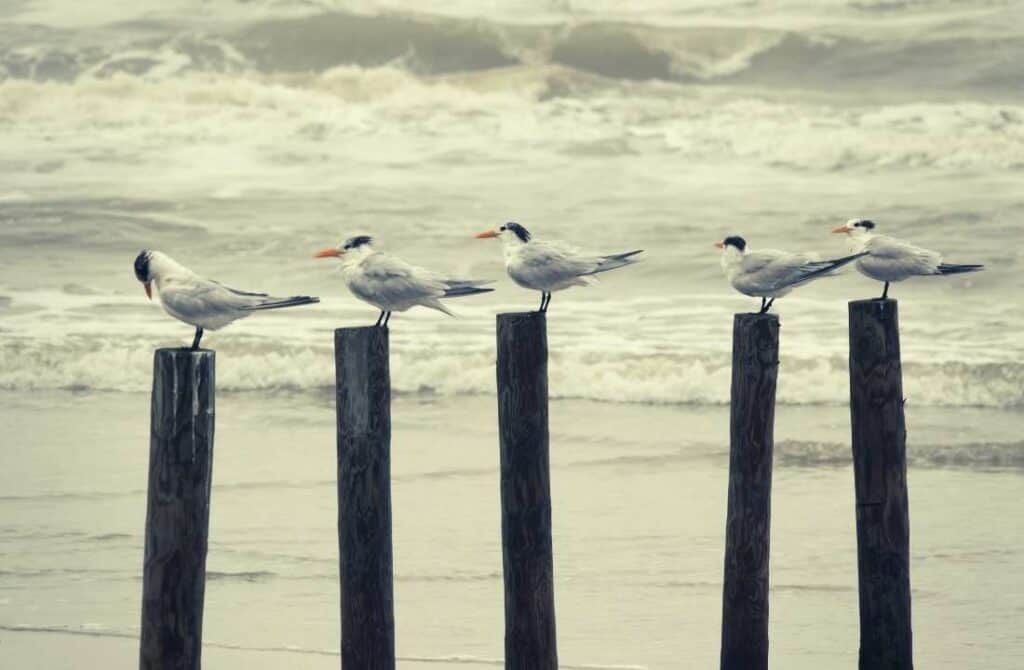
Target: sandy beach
638,491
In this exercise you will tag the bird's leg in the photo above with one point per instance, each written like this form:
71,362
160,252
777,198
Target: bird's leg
548,303
199,336
380,318
885,291
543,299
387,318
763,301
769,305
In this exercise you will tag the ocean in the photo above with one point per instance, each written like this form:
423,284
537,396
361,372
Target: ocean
240,137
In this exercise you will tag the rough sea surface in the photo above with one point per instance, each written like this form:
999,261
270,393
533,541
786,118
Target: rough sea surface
240,137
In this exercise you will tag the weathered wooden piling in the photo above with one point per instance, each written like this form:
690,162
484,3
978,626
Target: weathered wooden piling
177,509
755,362
526,492
880,478
363,385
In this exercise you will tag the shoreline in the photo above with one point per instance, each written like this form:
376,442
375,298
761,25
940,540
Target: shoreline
638,515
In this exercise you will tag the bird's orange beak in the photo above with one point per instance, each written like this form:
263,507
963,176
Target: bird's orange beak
720,245
328,253
841,229
149,289
487,233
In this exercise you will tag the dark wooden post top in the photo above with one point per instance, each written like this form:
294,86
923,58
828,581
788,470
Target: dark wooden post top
876,385
177,509
363,395
530,642
880,474
755,362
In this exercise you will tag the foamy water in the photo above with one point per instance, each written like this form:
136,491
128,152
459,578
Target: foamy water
667,350
242,138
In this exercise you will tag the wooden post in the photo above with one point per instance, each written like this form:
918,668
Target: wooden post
755,362
364,498
880,476
177,509
526,492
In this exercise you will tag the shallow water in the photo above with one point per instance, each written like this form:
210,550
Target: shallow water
638,492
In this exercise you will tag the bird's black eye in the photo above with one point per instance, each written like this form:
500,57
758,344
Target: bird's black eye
503,228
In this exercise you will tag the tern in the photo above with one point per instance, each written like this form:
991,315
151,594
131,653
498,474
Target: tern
392,285
770,274
549,266
202,303
890,260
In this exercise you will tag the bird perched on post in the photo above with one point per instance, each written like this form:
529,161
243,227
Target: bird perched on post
768,274
549,266
392,285
890,260
202,303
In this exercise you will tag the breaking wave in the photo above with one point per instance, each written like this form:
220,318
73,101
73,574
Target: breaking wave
617,50
317,119
89,364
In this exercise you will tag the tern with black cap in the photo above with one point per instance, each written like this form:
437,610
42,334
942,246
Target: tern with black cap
202,303
549,266
769,274
392,285
887,259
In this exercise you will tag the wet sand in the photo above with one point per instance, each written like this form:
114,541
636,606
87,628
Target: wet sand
639,495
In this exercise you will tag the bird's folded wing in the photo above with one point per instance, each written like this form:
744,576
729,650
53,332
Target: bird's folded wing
200,297
552,262
393,280
884,248
767,260
778,269
237,292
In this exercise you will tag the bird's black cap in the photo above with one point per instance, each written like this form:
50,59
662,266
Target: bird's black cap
142,265
522,233
357,241
735,241
865,224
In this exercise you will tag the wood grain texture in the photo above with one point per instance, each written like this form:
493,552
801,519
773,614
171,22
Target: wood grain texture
755,362
880,475
364,498
177,509
530,642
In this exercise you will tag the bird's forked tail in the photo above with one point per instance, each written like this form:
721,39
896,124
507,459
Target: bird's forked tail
456,288
951,269
826,268
279,303
615,261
